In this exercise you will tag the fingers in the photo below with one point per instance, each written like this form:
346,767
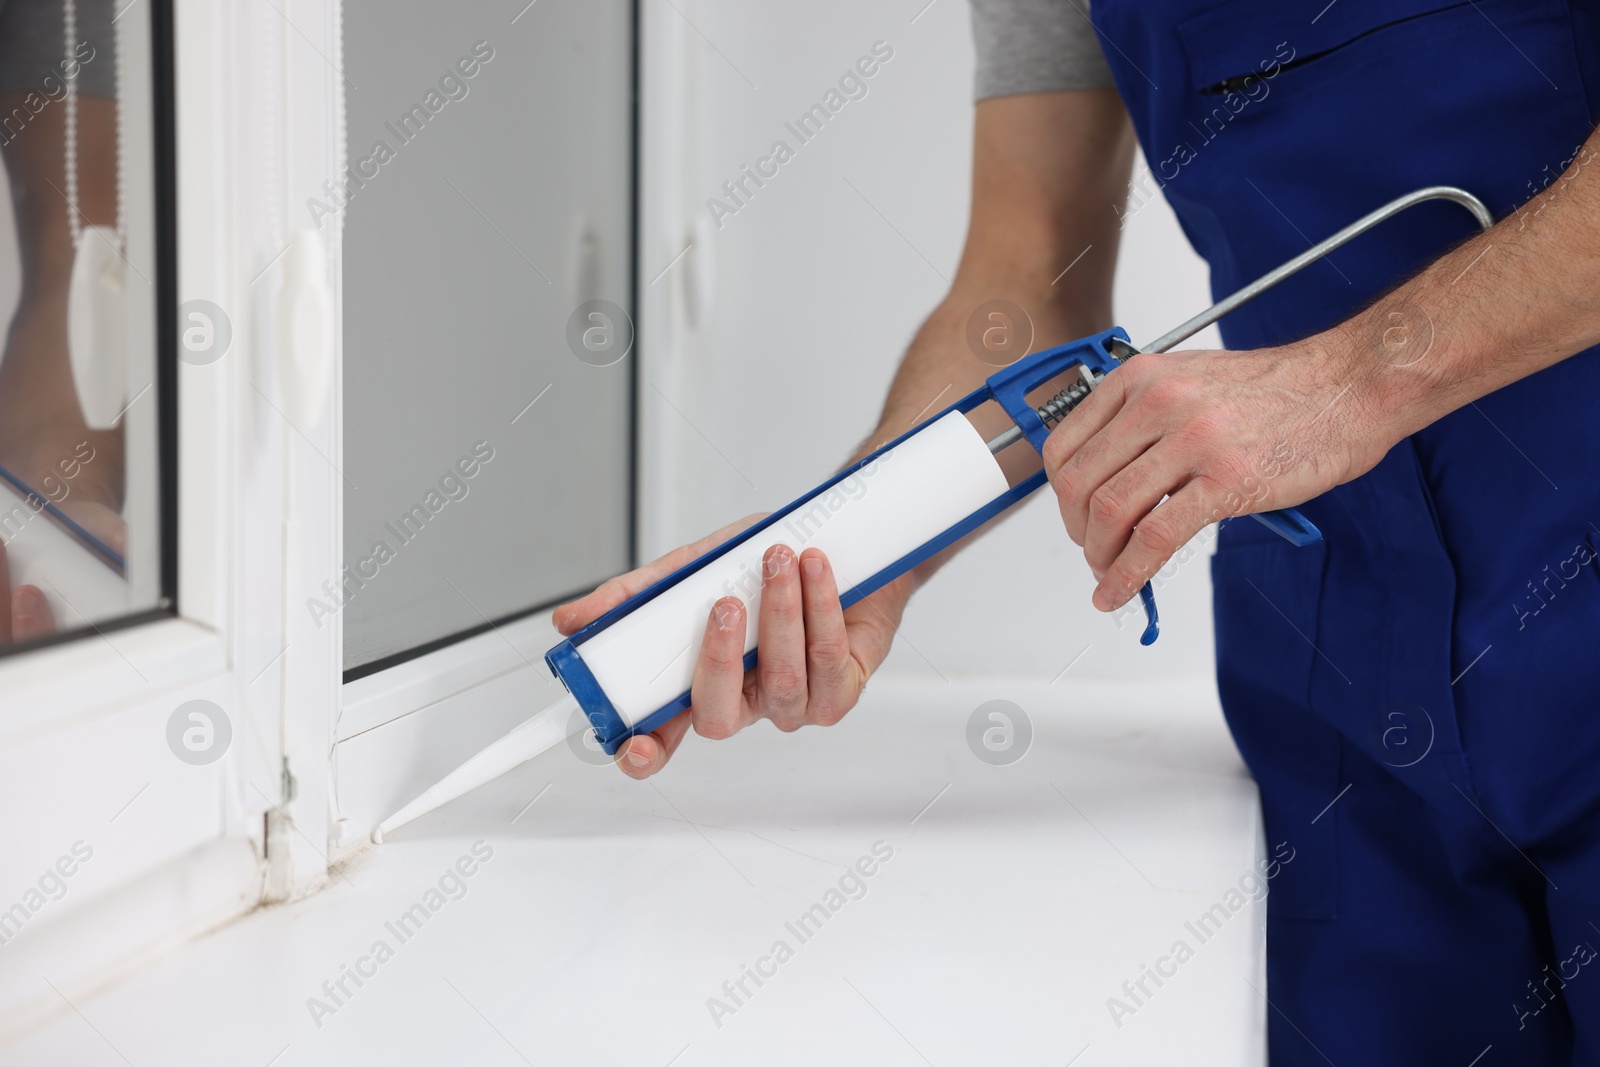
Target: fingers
718,707
645,754
807,672
830,676
24,613
1094,464
1125,499
571,617
1156,537
781,632
30,614
1091,416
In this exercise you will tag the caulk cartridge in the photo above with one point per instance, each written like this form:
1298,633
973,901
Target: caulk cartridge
631,669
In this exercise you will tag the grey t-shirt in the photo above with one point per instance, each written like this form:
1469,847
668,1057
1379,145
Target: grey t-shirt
1036,46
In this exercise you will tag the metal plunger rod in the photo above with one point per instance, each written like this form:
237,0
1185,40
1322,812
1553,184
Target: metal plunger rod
1050,412
1005,439
1316,252
1479,211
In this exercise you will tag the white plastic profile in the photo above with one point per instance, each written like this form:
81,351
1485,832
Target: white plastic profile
305,330
97,327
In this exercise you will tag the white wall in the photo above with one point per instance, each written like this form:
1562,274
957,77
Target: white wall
816,295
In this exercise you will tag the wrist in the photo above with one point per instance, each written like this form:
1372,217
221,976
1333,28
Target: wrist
1387,364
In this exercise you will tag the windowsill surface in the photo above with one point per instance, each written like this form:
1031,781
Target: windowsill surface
1017,900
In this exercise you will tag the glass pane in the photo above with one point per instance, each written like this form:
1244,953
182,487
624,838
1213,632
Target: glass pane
79,400
487,264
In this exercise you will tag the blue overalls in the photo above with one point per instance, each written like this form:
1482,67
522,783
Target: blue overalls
1419,696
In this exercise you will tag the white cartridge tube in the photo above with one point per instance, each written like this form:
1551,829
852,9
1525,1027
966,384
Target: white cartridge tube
894,505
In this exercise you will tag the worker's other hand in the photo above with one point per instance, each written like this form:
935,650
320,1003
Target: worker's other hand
24,612
1171,443
815,658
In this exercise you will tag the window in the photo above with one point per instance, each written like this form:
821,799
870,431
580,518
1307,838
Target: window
159,737
488,370
87,284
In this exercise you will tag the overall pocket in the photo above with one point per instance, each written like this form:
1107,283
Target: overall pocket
1265,600
1228,43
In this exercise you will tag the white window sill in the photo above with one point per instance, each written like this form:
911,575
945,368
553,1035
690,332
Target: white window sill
611,911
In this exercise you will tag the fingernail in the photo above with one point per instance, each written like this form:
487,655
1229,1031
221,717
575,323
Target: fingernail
726,614
778,561
26,602
636,760
812,565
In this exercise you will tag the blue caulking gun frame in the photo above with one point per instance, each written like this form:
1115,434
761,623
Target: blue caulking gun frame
1094,357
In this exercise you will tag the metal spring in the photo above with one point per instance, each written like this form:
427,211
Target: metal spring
1059,406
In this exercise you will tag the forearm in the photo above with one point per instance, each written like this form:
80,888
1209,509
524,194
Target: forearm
1050,173
1513,300
937,368
940,365
1050,176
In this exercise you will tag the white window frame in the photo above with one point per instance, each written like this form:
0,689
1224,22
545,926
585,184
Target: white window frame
314,764
402,729
178,849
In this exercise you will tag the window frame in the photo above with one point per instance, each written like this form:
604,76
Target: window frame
192,847
407,719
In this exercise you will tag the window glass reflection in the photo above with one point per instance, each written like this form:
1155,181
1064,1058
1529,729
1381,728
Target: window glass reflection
76,282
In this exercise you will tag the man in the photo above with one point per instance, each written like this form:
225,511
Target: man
1416,696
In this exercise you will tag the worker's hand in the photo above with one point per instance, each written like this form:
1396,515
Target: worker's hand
1171,443
24,612
815,659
